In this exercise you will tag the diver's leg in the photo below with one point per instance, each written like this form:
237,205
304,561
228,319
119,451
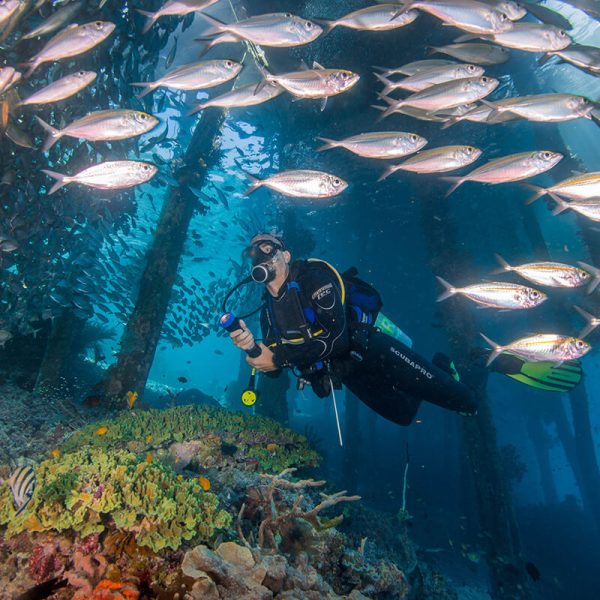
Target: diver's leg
380,395
408,373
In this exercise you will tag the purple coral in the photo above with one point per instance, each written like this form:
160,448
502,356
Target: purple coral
45,562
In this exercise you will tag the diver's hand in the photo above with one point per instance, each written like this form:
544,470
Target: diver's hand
264,362
242,338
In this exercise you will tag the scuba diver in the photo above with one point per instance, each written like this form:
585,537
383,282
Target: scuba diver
328,328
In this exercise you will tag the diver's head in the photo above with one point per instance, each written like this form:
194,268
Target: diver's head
270,258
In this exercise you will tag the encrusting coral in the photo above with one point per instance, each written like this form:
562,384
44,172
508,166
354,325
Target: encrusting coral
209,436
84,490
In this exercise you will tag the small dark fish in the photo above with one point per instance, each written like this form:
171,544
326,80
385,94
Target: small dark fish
532,571
43,590
228,449
218,352
182,379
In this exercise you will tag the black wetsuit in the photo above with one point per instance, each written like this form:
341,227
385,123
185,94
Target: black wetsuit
309,329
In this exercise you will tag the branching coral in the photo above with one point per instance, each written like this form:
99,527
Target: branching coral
210,434
86,490
285,518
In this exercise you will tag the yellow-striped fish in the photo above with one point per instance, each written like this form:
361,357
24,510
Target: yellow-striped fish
22,485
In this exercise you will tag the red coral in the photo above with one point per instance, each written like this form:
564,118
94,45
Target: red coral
45,562
89,544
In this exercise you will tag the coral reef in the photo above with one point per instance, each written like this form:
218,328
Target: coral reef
201,435
84,490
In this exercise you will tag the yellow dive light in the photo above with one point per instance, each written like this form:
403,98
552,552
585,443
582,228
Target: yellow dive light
249,395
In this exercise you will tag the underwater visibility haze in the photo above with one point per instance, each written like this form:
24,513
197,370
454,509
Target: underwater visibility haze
299,299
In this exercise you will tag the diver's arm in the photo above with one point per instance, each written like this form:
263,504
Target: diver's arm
321,289
268,340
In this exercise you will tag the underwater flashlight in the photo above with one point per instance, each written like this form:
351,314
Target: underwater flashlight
230,323
249,395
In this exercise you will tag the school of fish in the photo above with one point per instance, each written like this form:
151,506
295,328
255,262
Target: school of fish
432,89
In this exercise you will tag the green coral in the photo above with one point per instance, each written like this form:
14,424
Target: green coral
250,434
88,490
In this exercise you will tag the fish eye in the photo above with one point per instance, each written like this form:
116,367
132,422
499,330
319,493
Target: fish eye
143,116
413,138
469,149
562,33
308,25
547,155
288,15
471,68
229,64
584,274
580,344
484,79
98,24
81,73
503,17
535,294
337,181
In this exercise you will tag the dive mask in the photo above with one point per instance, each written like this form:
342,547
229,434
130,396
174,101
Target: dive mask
262,252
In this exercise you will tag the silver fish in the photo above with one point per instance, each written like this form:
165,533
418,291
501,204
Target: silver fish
301,184
317,82
55,20
479,54
437,160
513,10
430,77
62,88
18,136
8,9
103,125
509,168
543,347
109,175
174,8
532,37
579,187
589,208
500,295
8,78
468,15
71,41
584,57
275,30
242,96
414,67
551,274
380,144
374,18
484,114
545,108
438,116
591,322
448,95
195,76
22,486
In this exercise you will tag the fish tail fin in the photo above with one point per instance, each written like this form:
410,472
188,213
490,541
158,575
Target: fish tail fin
196,109
451,121
61,180
504,266
449,290
405,8
328,144
388,85
456,182
591,321
385,71
149,87
561,205
150,19
592,271
539,192
496,349
216,25
326,24
388,171
31,67
255,183
431,50
53,134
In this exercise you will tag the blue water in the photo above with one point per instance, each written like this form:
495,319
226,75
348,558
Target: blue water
383,229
